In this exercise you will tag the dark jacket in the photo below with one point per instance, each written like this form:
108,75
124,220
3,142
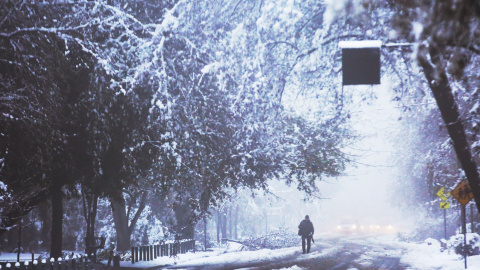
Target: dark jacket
305,228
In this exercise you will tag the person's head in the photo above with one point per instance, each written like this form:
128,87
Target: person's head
307,217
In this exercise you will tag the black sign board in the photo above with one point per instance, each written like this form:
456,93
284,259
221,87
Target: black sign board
360,65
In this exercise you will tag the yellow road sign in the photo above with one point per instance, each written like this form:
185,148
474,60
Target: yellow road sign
444,205
442,194
463,193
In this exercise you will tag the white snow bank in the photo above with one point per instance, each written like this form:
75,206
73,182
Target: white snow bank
257,256
423,256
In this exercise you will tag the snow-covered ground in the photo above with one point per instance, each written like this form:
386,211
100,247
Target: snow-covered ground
422,256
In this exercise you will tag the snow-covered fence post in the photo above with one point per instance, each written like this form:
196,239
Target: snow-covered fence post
35,263
133,254
80,262
151,253
116,261
74,258
44,264
52,261
26,264
17,265
162,248
67,263
8,266
88,263
136,254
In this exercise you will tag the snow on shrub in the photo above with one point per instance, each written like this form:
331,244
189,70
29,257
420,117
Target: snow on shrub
473,244
4,196
431,242
281,238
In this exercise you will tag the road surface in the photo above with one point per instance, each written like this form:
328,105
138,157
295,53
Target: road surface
349,252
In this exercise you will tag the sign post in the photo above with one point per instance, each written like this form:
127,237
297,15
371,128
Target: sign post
463,193
444,205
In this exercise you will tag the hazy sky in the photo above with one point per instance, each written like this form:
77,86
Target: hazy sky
363,192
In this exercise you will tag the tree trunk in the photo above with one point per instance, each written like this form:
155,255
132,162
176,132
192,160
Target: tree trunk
90,202
185,224
219,225
442,91
236,222
205,233
46,220
123,230
230,223
57,221
140,209
224,223
118,205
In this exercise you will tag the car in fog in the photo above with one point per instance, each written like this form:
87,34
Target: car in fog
380,227
348,226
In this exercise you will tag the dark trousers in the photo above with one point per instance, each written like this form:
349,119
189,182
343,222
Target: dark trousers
309,242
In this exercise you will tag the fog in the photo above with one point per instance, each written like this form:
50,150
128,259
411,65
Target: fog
364,192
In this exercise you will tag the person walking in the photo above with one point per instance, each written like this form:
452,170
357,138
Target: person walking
305,229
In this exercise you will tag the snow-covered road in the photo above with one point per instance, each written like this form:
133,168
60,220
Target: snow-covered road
362,252
338,252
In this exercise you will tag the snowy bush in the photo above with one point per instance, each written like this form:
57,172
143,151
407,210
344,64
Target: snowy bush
127,256
149,230
432,242
426,228
4,197
103,254
281,238
473,244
